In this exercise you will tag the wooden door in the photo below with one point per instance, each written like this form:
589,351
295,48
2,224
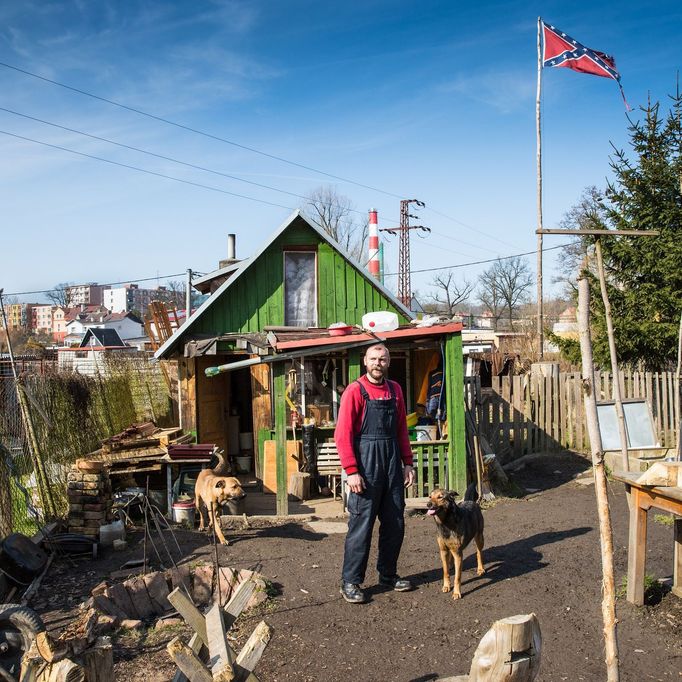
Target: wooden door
213,403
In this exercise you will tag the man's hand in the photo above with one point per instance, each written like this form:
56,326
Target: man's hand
356,483
408,475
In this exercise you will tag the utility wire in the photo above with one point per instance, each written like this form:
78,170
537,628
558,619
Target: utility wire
198,132
105,284
144,170
235,144
480,262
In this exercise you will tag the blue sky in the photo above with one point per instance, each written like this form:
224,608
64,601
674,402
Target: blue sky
433,100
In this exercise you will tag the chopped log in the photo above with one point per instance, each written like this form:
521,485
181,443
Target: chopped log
203,585
191,614
252,651
49,650
180,576
220,653
196,645
299,485
107,607
157,588
119,595
226,584
240,599
662,474
188,661
509,651
65,670
138,595
98,661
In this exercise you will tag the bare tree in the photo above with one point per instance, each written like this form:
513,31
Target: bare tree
336,215
449,293
587,214
504,286
60,294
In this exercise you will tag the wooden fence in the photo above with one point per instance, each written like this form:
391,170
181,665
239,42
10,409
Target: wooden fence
534,413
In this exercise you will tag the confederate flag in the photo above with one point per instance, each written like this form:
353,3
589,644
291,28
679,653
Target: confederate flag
560,50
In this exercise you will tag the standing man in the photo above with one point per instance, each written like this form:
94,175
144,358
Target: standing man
374,449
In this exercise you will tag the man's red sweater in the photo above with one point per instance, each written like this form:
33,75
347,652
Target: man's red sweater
351,413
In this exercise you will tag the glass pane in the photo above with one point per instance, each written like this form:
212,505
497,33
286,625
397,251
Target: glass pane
300,289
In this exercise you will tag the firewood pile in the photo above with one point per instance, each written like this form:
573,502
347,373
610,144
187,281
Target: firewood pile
83,647
89,491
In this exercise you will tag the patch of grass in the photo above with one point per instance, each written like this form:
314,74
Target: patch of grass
654,591
664,519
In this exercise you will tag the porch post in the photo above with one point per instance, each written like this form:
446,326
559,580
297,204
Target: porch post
279,384
453,372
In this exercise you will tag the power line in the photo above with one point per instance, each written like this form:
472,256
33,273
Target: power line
479,262
144,170
196,131
234,144
105,284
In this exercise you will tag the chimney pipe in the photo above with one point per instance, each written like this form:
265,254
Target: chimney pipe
231,247
373,255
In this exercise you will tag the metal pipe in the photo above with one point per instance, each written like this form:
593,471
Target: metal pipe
269,359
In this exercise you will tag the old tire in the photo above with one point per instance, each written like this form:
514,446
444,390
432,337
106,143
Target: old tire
18,627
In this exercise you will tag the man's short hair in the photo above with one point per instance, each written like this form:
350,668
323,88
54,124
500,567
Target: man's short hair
377,346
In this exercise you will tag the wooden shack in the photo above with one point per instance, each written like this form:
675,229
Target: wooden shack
257,357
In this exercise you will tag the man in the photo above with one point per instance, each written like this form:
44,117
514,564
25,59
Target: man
374,449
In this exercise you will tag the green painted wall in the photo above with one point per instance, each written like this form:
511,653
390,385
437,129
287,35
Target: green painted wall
256,299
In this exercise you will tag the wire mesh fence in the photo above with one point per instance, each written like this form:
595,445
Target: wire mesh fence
64,416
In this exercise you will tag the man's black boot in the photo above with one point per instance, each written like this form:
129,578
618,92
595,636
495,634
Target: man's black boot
396,583
352,593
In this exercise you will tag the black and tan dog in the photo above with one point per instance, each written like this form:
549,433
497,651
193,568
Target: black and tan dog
458,525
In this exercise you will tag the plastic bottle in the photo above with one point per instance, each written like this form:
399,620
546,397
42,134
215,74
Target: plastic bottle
380,321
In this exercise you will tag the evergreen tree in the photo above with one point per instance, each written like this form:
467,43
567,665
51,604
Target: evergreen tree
644,274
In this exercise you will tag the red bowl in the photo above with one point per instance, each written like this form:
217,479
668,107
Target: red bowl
340,331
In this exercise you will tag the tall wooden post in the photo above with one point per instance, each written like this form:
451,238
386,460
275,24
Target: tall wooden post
453,373
538,133
608,605
614,358
354,364
279,381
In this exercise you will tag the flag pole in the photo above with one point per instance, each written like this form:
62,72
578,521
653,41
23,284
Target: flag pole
539,193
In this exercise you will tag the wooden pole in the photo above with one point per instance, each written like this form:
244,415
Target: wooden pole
279,384
605,532
678,377
614,358
538,131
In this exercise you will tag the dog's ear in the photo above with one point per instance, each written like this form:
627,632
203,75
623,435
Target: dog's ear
450,495
220,483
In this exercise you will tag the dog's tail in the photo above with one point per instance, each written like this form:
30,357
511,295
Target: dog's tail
222,468
471,495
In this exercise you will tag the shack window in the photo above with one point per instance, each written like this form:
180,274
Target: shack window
300,289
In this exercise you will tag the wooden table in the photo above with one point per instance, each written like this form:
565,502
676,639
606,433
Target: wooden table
643,498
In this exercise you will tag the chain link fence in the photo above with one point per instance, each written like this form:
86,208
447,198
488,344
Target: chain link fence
65,416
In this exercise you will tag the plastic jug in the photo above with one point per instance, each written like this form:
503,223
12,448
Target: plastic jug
112,531
380,321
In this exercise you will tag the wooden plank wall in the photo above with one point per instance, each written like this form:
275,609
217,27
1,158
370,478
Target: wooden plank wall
533,413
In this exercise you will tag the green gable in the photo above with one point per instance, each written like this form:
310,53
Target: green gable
254,298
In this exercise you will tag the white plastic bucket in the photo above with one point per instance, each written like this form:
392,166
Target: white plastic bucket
110,532
246,440
183,512
380,321
243,464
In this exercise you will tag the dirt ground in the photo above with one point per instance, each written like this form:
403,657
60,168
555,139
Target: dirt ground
542,556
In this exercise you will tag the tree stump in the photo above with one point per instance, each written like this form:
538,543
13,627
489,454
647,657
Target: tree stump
299,485
509,651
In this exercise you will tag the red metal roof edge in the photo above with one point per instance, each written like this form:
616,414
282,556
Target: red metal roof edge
404,333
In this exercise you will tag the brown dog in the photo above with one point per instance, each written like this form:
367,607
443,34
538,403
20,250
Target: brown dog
458,525
211,491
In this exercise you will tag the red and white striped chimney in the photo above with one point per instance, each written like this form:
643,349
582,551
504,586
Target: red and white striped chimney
373,243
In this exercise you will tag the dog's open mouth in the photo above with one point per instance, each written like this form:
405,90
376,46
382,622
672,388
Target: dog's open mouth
431,512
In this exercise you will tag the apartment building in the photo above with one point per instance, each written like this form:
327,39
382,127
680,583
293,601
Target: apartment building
42,318
20,316
131,297
85,294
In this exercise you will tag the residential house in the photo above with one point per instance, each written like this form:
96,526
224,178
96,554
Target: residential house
42,319
257,356
90,358
126,325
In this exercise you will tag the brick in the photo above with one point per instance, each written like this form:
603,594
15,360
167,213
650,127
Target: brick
94,515
74,476
93,523
75,508
74,485
92,478
90,485
93,507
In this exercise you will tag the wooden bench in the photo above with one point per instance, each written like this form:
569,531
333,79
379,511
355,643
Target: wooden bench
329,464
